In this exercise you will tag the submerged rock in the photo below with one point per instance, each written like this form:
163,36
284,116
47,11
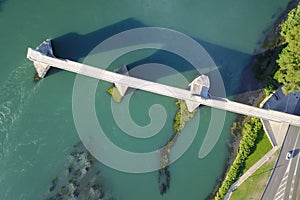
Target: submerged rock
81,179
54,183
164,180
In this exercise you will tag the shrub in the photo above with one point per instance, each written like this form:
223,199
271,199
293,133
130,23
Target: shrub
246,147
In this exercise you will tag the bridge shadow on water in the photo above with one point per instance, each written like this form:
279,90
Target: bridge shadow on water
1,3
75,47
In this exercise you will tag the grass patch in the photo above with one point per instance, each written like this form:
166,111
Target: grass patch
263,146
254,186
115,94
251,131
182,116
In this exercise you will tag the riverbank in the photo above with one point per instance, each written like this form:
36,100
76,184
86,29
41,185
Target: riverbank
248,190
255,87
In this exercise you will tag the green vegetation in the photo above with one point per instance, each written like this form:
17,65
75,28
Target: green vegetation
249,190
64,191
289,59
182,116
265,65
251,132
114,92
278,64
270,86
263,146
280,61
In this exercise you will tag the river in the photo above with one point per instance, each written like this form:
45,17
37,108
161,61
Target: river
37,128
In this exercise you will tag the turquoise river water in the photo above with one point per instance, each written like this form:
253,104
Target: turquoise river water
37,130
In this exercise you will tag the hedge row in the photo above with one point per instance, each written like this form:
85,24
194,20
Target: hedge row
289,58
247,145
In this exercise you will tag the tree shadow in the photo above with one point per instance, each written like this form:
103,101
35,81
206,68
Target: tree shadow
297,108
75,47
265,63
263,172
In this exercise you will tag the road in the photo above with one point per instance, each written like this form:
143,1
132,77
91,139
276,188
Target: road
284,182
177,93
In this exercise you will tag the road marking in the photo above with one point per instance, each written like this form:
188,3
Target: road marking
279,197
285,177
295,170
281,190
282,185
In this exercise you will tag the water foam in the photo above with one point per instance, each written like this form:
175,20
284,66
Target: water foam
14,93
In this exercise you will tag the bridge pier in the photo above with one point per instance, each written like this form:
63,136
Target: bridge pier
121,87
198,87
275,131
45,49
201,97
191,105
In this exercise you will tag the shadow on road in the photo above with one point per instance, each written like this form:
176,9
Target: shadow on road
295,152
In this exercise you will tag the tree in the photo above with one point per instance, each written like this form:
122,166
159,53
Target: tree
289,59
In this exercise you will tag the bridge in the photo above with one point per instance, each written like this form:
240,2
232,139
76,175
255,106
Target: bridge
43,59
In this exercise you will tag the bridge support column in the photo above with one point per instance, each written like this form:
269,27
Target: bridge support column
192,105
45,49
198,87
275,131
41,69
122,88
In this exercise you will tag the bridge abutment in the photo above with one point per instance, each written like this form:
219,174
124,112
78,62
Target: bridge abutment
44,55
45,49
198,87
121,87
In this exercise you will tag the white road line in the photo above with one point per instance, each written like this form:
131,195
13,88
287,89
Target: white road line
295,170
285,176
282,189
279,197
282,184
288,169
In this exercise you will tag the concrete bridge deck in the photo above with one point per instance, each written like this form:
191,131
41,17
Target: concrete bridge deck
177,93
